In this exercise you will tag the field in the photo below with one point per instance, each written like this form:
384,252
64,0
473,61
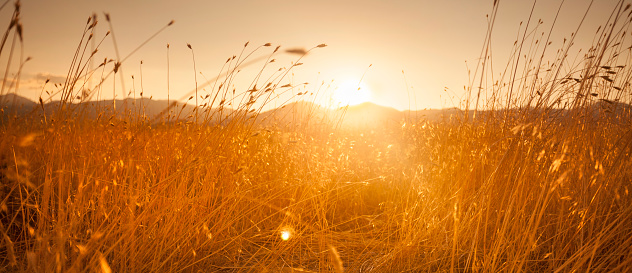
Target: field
534,179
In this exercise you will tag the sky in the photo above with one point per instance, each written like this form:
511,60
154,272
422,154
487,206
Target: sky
404,54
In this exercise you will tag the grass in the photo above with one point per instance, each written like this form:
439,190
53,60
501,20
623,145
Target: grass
538,181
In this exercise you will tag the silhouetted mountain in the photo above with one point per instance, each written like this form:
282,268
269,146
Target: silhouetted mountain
606,110
438,114
296,113
370,114
356,116
140,108
143,107
16,104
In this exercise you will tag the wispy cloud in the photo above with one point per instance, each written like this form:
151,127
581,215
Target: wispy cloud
33,86
33,81
43,76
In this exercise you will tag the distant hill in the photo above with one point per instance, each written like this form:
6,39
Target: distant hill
296,113
15,104
370,114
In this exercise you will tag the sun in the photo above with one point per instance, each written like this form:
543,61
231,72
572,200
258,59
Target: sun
351,93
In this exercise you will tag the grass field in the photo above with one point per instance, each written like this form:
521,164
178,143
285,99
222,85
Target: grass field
536,179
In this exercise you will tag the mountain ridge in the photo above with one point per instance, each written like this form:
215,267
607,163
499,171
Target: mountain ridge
290,114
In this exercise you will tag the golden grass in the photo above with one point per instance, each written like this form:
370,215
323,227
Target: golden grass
543,186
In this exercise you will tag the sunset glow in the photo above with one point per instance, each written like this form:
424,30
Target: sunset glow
392,36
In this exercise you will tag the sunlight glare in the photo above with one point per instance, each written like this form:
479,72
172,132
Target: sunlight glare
351,93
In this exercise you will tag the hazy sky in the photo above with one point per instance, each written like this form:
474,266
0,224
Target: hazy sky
430,40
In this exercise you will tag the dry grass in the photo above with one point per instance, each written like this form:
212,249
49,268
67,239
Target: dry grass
540,182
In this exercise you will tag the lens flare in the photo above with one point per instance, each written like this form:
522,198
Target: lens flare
286,234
